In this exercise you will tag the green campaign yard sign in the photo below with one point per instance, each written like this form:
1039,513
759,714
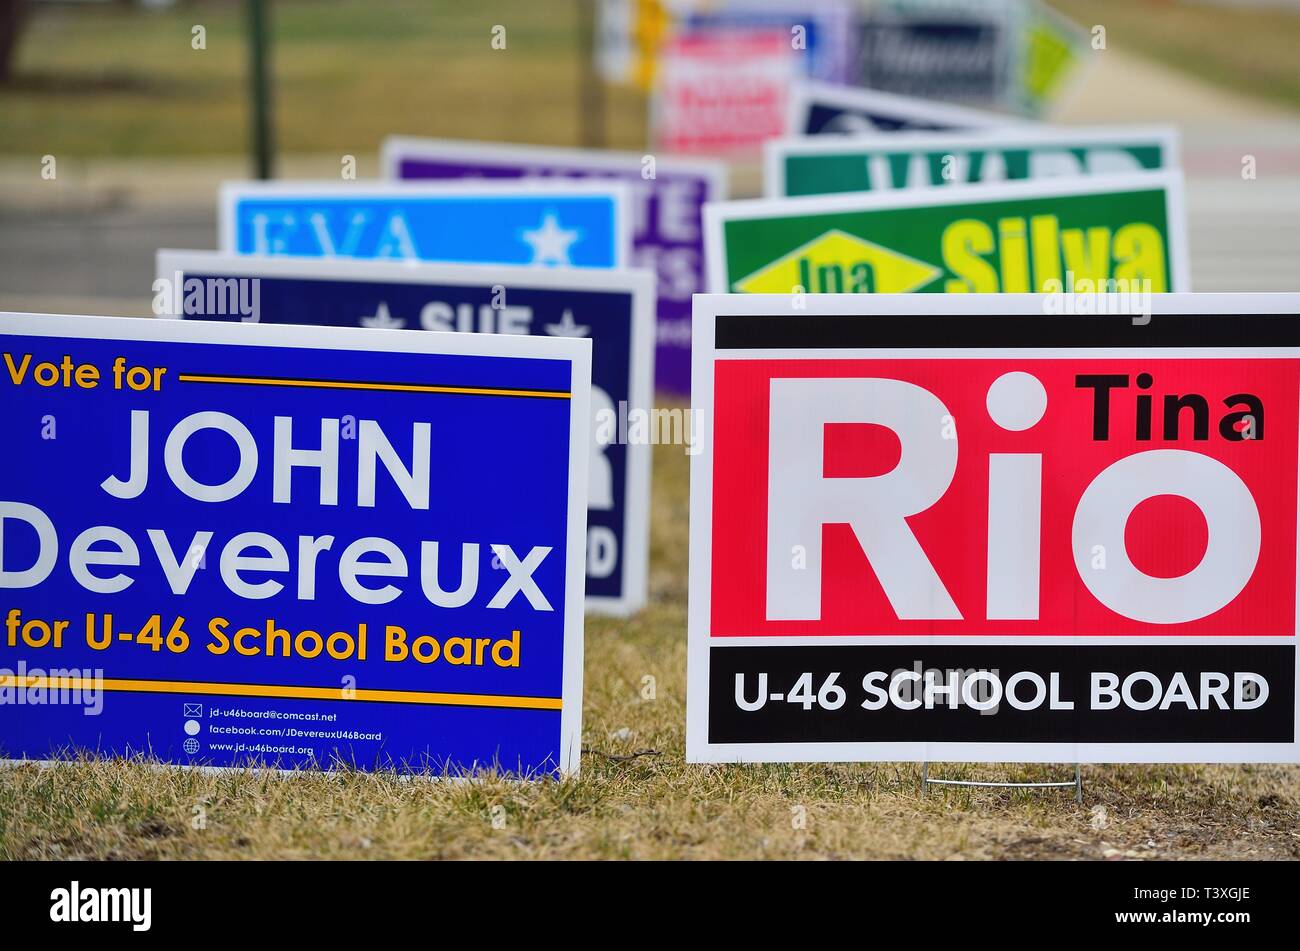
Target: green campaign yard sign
820,165
1034,236
1050,55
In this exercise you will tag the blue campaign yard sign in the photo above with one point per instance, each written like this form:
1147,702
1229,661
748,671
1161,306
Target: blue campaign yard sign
300,546
615,309
829,109
573,224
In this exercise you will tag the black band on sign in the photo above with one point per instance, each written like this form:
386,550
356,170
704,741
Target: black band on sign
1065,712
916,331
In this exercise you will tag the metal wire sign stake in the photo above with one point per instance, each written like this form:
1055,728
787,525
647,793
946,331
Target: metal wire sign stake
927,782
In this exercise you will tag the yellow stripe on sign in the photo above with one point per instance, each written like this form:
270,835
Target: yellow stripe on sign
285,692
358,385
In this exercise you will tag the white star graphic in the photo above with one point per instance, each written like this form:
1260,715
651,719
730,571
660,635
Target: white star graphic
382,318
550,242
567,327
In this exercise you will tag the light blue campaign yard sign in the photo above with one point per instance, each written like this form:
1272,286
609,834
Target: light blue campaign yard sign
224,544
569,224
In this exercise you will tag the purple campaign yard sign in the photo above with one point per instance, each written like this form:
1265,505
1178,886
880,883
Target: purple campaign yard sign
667,234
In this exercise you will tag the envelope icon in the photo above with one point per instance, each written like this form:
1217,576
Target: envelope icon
193,709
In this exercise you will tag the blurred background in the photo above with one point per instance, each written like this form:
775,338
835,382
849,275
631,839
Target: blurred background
146,105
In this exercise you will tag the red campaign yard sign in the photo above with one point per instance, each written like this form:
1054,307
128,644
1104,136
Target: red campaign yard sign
932,476
986,529
722,93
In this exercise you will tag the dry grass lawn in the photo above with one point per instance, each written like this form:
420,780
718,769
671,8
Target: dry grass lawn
636,796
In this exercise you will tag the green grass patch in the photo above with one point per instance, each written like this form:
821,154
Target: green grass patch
1250,50
121,81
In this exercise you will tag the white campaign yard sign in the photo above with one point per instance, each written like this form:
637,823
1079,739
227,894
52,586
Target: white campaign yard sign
1011,528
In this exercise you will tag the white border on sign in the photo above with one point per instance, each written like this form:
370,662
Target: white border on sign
231,193
803,94
640,284
1170,181
776,151
708,307
396,148
576,351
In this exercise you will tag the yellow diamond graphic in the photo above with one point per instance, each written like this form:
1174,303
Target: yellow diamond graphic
837,262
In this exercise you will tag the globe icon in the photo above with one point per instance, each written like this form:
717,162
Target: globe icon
191,746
